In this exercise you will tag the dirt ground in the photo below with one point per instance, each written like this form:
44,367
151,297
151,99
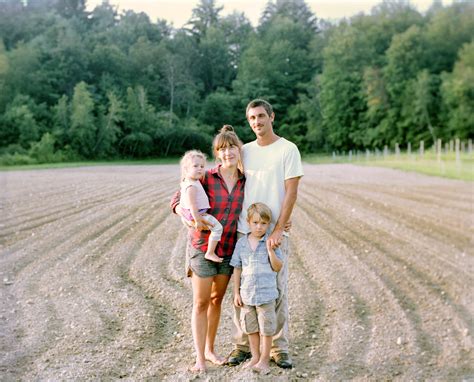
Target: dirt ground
92,279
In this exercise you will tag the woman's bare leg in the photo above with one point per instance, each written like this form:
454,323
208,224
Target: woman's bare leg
201,298
219,286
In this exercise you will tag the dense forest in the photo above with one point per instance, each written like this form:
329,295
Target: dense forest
78,84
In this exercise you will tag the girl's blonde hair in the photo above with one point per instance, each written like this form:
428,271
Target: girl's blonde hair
227,137
187,158
261,210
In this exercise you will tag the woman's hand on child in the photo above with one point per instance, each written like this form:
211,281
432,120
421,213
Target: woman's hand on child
288,226
202,225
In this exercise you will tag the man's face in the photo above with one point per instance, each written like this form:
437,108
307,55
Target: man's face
260,121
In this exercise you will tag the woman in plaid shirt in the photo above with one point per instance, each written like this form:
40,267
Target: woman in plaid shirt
224,186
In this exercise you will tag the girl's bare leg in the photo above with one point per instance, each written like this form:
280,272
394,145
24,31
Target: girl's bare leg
211,254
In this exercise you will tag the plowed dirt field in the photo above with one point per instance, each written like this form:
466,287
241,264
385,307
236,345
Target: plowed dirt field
92,279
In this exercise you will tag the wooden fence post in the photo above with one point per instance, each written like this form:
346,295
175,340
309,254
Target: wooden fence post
422,148
397,151
438,150
469,147
458,155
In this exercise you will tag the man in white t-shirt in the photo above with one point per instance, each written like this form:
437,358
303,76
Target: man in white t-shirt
272,167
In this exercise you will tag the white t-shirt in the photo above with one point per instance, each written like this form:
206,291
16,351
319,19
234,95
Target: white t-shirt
266,168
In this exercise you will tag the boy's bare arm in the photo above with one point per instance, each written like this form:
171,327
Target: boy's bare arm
237,298
275,262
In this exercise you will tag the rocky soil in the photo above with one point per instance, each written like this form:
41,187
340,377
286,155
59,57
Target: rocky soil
92,279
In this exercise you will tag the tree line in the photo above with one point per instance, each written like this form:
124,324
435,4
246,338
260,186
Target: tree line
78,84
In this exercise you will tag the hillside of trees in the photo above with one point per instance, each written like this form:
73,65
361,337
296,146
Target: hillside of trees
78,84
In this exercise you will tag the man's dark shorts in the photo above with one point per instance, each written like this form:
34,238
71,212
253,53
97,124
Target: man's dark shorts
201,267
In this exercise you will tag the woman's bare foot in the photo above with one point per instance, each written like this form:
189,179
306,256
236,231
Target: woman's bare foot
198,368
213,257
250,364
214,358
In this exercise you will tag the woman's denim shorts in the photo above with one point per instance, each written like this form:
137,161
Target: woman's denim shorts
197,264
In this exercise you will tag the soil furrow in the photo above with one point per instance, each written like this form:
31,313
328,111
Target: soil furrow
399,282
380,278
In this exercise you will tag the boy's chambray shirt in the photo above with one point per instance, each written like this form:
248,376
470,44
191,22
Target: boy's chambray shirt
258,281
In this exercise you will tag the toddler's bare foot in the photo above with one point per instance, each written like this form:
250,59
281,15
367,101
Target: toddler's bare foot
214,358
213,257
250,364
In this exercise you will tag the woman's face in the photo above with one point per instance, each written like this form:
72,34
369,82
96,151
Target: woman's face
229,155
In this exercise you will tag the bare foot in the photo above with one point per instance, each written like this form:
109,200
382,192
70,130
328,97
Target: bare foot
261,369
250,364
214,358
198,368
213,257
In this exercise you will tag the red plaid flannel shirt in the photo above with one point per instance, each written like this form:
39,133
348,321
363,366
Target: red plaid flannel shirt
225,207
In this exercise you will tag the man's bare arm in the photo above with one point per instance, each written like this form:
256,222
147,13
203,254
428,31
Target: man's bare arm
291,193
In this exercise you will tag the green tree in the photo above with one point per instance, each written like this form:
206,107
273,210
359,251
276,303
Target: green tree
458,95
20,124
109,128
83,131
61,120
140,124
405,58
237,30
204,16
342,100
448,29
294,10
276,62
216,68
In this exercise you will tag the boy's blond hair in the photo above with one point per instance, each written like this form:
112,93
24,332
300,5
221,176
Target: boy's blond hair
187,158
262,210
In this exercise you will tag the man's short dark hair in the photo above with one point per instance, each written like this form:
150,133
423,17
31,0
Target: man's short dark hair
260,102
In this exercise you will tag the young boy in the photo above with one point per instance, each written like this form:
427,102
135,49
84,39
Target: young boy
255,288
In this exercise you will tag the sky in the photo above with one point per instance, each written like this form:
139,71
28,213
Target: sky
178,12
